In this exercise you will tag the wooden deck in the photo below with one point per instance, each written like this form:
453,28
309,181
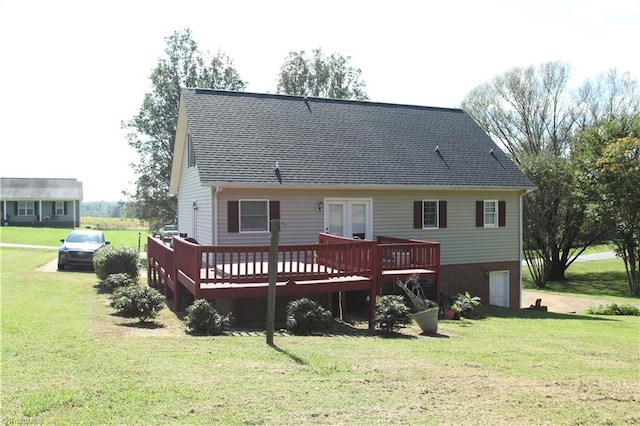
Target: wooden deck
334,264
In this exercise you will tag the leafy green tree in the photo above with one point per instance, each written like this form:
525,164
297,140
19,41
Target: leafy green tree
153,129
610,163
320,76
617,175
534,116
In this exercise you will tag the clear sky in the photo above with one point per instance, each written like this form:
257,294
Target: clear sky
73,70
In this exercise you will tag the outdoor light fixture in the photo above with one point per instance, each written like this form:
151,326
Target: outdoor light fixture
319,206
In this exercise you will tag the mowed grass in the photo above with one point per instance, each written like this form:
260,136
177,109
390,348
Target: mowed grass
67,360
52,236
598,278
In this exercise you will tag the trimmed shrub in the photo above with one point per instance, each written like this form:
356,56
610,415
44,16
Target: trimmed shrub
203,318
114,260
391,313
139,302
114,281
306,315
614,309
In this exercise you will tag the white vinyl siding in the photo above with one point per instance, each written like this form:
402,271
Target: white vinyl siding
461,242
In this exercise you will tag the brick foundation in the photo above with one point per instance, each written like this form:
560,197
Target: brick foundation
474,278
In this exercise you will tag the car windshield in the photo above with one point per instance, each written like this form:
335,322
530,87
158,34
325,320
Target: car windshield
79,237
170,228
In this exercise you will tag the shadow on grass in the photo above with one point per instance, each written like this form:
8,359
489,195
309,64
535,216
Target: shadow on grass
295,358
149,325
593,283
490,311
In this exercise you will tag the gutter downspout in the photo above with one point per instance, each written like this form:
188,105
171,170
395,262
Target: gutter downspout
520,257
216,191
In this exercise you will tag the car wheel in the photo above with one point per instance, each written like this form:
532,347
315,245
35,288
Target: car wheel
60,266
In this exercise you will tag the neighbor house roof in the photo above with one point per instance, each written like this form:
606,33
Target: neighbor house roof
40,189
239,138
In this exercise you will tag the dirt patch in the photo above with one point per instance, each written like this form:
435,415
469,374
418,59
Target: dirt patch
560,303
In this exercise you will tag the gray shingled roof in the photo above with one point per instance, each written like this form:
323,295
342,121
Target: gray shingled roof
40,189
238,138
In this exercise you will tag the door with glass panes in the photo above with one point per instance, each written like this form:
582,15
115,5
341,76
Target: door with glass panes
348,218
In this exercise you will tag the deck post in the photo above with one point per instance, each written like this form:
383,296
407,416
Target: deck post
273,270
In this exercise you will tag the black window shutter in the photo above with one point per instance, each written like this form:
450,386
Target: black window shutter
15,208
65,208
502,210
442,214
35,208
479,214
417,215
274,211
233,217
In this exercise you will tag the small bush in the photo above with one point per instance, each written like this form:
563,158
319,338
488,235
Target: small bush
391,313
305,315
614,309
114,281
139,302
203,318
114,260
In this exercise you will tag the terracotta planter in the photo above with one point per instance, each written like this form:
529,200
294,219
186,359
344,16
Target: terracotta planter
427,320
451,315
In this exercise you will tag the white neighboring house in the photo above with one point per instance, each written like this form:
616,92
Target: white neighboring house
40,202
352,168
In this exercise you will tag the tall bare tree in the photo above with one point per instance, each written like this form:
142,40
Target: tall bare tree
532,113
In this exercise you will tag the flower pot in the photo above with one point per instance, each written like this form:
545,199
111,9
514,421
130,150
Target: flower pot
451,315
427,320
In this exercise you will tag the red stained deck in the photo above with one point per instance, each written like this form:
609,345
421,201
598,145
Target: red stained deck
335,264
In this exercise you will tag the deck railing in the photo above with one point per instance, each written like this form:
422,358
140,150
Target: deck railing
401,254
249,264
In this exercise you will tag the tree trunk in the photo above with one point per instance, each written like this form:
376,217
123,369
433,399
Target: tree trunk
557,269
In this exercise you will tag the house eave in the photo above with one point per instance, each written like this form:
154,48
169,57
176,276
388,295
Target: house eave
367,187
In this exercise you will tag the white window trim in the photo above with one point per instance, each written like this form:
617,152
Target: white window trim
437,225
27,208
59,206
484,214
240,216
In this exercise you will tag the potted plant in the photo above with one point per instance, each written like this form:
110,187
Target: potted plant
466,303
426,315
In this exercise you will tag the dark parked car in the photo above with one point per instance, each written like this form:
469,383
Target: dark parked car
167,232
79,247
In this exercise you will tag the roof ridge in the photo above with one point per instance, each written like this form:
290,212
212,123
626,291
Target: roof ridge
206,91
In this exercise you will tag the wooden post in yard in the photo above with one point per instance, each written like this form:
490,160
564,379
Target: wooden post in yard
273,271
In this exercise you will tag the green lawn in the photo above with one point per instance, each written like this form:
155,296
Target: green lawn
67,360
52,236
598,278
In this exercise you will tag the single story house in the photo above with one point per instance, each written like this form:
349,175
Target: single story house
355,169
40,202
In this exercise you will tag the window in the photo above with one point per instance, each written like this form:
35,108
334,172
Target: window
429,214
59,208
191,152
254,216
26,208
490,214
251,215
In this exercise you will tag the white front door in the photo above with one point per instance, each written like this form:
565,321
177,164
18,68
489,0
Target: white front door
348,218
499,288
